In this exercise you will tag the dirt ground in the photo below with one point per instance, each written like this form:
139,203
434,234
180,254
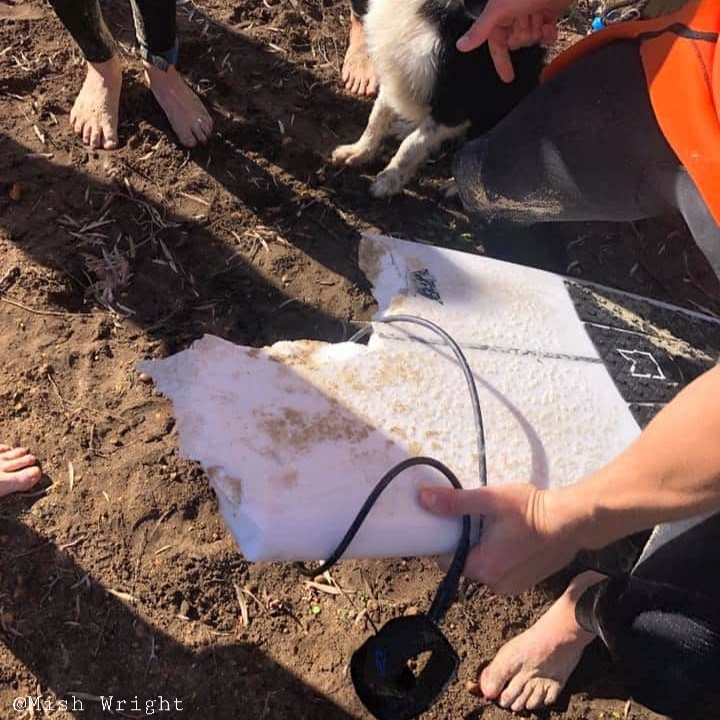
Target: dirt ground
117,576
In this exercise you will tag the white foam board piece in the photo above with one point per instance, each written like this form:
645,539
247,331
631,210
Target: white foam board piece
293,437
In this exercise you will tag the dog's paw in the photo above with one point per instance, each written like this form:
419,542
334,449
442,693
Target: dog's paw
388,183
351,155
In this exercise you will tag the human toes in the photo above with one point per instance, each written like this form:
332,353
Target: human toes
8,454
520,702
513,691
87,133
539,697
552,693
16,462
19,480
203,128
19,469
96,136
78,123
109,136
494,678
186,136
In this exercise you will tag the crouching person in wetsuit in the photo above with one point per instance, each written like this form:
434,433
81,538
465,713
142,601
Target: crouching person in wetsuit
94,115
624,127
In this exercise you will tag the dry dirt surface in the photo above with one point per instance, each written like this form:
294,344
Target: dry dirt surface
117,577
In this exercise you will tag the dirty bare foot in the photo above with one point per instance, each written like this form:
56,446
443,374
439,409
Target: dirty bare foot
94,116
18,470
357,70
530,671
184,109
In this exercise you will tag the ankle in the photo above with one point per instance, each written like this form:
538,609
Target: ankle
356,26
111,67
570,598
580,583
157,78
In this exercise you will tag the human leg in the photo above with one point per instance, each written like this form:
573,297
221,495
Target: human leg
584,146
662,623
94,115
357,70
155,28
530,671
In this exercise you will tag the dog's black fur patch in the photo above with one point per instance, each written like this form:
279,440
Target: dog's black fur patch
467,86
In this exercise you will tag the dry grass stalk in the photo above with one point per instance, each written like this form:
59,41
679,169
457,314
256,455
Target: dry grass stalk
244,615
320,587
127,597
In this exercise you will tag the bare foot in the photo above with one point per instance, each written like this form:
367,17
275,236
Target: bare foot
184,109
530,671
94,115
358,73
18,470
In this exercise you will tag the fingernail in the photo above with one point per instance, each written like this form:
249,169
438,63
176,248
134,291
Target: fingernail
463,43
428,499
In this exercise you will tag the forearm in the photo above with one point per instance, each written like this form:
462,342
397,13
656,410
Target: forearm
672,471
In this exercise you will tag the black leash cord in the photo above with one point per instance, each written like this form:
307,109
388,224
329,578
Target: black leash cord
446,591
464,366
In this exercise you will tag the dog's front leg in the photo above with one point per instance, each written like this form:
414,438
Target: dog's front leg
365,149
413,151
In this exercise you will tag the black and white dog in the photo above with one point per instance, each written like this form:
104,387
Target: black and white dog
427,82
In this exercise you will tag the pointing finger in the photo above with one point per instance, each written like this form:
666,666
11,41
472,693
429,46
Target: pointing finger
481,29
500,54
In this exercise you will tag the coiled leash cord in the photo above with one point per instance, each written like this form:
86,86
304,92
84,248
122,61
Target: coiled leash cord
619,11
379,669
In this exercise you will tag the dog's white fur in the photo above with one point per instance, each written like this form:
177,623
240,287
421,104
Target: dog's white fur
404,49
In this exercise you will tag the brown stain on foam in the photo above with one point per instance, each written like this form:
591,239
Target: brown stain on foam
231,487
396,371
349,377
297,430
289,478
370,257
301,354
398,305
398,431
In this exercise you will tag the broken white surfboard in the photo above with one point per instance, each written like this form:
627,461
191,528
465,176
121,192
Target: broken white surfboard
294,437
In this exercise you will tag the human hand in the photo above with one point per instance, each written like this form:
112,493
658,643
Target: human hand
510,24
527,535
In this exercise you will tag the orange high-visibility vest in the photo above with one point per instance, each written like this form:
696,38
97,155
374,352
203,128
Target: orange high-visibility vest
681,58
